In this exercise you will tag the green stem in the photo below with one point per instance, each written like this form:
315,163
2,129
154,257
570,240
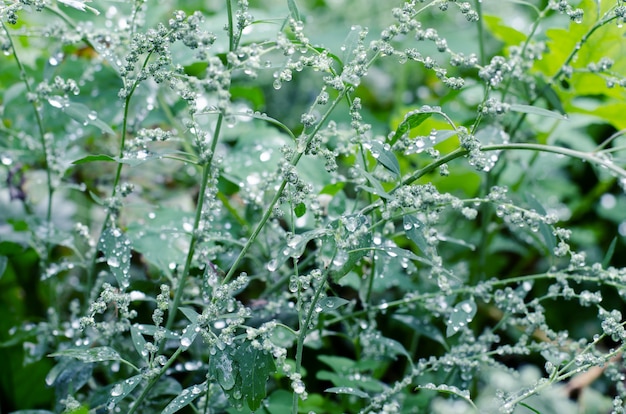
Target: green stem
269,209
153,381
42,139
304,328
206,175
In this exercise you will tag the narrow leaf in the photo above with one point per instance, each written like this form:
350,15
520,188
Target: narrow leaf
97,354
609,253
93,158
185,398
411,120
332,302
86,116
348,390
189,335
138,341
293,9
533,110
123,388
413,230
385,157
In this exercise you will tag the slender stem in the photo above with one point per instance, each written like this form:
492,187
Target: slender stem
304,328
481,31
153,380
269,209
42,139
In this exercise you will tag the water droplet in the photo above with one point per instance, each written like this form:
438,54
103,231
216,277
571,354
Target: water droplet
113,261
117,390
185,342
58,101
272,265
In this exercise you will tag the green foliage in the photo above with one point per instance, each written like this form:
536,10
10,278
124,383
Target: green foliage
348,207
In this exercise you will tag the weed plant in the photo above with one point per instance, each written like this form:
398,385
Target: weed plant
312,206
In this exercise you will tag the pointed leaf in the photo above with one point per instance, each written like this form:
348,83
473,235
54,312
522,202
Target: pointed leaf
411,120
255,367
117,251
189,335
123,388
534,110
385,157
97,354
413,230
348,390
185,398
332,302
461,315
138,341
86,116
94,158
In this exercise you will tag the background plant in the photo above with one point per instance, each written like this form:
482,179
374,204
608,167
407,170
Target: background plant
312,206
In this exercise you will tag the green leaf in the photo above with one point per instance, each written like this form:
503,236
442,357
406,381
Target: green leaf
293,10
93,158
461,315
413,228
546,231
423,327
224,368
411,120
609,253
3,265
86,116
190,313
189,335
350,226
97,354
332,302
138,341
116,248
185,398
120,390
348,390
300,210
255,367
534,110
449,389
385,157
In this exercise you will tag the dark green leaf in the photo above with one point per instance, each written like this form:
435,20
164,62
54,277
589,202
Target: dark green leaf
255,367
423,327
93,158
300,210
609,253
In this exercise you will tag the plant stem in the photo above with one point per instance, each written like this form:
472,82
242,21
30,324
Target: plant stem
304,327
42,139
269,209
